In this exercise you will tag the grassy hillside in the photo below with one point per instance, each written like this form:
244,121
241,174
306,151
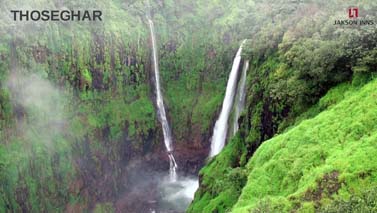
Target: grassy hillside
324,162
331,156
296,56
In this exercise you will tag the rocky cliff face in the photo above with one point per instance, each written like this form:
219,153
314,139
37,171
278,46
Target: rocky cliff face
104,128
104,143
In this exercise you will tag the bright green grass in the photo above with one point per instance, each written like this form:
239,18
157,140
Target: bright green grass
331,156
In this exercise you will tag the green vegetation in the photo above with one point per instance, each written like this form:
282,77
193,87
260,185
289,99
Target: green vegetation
297,56
364,202
101,74
104,208
225,183
84,105
319,164
321,159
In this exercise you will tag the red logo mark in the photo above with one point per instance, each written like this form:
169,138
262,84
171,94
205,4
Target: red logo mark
353,12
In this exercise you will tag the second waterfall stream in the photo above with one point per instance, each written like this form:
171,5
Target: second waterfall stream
221,126
161,108
241,96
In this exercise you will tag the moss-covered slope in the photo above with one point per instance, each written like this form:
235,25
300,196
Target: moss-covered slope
328,157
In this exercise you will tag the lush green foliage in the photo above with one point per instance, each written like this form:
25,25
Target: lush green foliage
324,158
297,55
364,202
103,69
101,72
225,183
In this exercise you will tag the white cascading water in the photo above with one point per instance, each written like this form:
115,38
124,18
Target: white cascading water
221,126
161,108
241,96
177,196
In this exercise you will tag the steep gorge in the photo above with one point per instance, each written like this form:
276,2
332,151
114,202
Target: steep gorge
78,125
107,128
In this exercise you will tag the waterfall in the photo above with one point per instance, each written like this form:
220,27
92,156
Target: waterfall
221,126
161,109
241,96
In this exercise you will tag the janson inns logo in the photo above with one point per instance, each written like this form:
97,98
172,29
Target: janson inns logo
353,12
353,18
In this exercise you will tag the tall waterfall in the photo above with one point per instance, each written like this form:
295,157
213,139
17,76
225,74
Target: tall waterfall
221,126
161,109
241,96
